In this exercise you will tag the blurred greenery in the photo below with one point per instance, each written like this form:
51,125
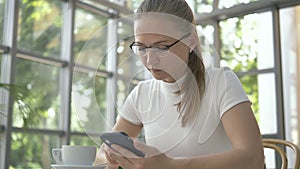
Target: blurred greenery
40,24
239,52
89,35
37,101
230,3
42,94
37,105
20,95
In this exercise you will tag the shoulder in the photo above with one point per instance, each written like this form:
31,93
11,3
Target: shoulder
146,83
145,86
219,72
219,75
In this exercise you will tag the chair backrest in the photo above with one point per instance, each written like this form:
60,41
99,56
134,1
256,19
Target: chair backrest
276,143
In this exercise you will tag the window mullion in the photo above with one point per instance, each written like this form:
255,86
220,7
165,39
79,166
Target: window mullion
8,76
66,72
111,83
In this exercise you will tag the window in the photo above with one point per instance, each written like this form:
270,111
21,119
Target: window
2,9
89,103
248,45
209,53
83,45
244,44
133,4
231,3
32,150
40,27
89,34
290,40
130,69
0,67
43,96
203,6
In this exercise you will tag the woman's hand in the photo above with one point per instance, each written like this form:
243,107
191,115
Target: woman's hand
128,160
104,158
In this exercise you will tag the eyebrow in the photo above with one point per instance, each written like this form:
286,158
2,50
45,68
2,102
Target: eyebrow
155,43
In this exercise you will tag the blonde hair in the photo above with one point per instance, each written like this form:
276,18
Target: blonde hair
188,107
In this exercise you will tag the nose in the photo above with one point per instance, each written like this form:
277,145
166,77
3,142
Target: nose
152,57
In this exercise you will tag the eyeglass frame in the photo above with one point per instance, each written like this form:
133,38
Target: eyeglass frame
166,47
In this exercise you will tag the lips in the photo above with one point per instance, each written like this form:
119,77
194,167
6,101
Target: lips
154,70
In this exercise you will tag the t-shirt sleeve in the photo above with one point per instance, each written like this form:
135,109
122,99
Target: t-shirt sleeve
231,91
129,111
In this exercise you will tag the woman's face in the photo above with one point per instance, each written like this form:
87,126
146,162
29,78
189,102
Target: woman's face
168,66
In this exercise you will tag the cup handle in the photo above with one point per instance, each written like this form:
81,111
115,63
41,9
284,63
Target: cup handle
56,153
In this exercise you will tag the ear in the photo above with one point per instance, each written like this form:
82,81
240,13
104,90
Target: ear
192,41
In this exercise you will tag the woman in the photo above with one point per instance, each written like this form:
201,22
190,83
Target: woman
193,117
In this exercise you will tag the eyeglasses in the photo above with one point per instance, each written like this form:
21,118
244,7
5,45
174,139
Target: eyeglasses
161,50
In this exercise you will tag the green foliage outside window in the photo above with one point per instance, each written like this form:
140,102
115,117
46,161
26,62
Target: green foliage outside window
33,150
40,25
239,52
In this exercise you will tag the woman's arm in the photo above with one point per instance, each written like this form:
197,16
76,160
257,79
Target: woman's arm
243,132
131,129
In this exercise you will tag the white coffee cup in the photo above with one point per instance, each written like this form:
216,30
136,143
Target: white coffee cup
75,155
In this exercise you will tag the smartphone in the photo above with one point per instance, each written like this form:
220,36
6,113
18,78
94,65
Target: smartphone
121,139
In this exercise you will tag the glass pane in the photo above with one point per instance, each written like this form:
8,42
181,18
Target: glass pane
90,39
130,68
265,40
0,67
39,106
250,86
133,4
270,160
204,6
267,103
230,3
2,10
261,92
245,40
209,53
40,27
3,106
290,42
32,151
89,103
84,140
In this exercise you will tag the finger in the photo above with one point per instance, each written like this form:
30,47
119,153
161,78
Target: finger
148,150
110,167
124,152
110,160
111,150
123,161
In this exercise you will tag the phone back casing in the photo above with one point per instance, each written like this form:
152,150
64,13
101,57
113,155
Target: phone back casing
121,139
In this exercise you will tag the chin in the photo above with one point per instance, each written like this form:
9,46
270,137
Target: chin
165,79
161,75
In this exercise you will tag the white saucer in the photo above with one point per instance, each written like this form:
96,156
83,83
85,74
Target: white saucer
56,166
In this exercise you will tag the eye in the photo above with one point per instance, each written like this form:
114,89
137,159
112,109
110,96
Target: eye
138,48
141,48
161,47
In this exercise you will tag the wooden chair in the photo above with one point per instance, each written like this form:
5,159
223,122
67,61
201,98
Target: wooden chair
275,145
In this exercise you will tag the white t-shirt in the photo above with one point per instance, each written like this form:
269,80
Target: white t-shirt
152,104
